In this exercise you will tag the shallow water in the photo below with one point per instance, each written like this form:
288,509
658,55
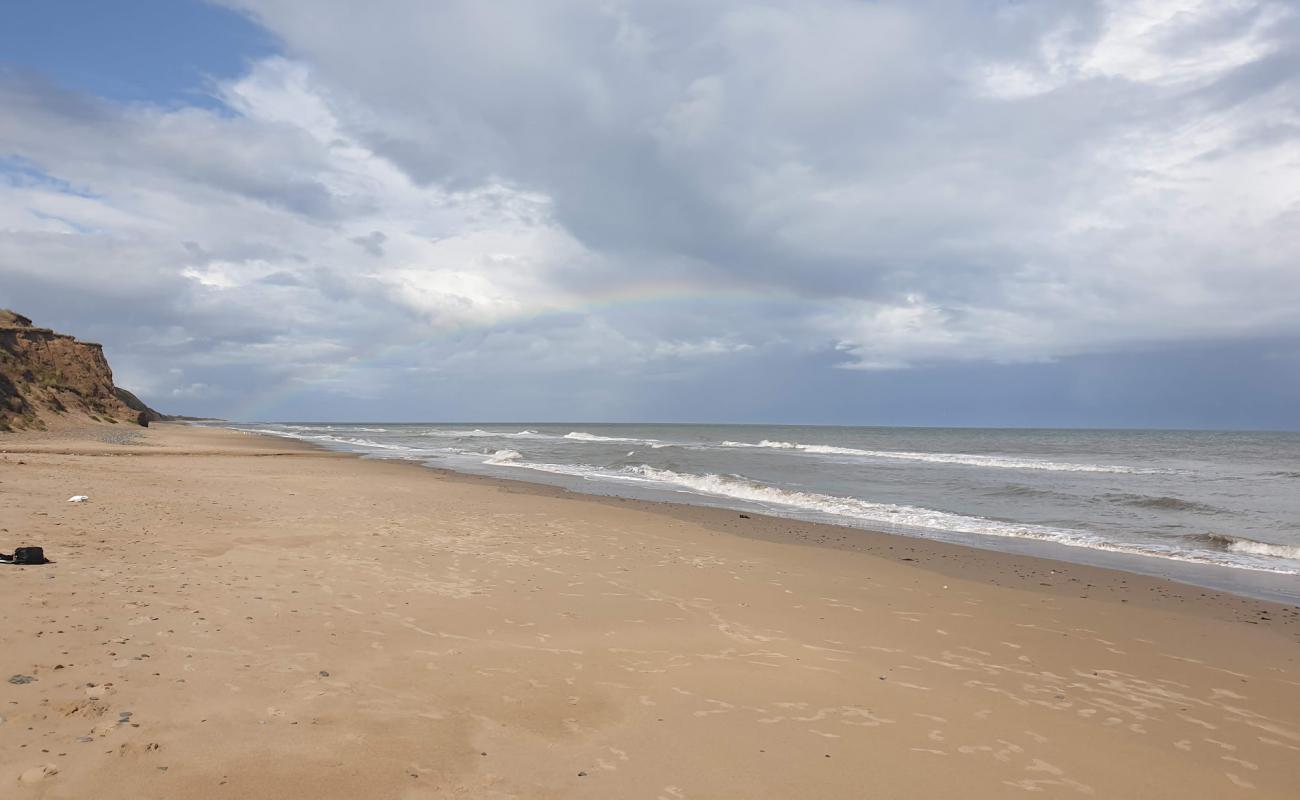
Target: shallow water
1217,508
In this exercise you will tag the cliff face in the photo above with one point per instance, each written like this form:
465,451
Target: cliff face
47,378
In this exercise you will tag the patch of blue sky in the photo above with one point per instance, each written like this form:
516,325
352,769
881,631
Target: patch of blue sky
75,226
163,52
18,171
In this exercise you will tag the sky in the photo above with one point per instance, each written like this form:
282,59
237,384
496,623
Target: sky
982,213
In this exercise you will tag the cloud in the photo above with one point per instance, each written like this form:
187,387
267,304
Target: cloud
416,191
1046,180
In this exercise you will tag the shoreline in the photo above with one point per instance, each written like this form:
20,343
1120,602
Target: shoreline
1049,557
232,614
1051,576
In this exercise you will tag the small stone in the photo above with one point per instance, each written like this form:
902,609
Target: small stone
324,674
21,679
582,774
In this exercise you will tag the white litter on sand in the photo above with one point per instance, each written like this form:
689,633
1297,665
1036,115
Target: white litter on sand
78,498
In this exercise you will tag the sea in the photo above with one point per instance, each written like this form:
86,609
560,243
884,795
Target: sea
1215,509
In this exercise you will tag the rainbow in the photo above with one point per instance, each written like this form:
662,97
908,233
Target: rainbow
256,404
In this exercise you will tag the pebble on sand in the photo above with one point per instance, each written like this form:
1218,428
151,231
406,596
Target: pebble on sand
21,679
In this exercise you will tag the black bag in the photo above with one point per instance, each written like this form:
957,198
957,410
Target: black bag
29,555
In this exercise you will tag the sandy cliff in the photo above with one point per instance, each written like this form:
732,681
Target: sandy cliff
48,379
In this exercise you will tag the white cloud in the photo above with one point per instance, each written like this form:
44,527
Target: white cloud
452,188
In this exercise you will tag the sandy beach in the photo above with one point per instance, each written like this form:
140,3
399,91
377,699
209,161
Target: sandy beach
234,616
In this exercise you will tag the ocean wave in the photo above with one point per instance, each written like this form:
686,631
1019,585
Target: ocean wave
865,510
1162,503
454,433
325,437
1243,555
583,436
1237,544
334,428
1016,490
503,457
966,459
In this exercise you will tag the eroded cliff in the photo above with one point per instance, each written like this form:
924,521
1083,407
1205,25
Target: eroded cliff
48,379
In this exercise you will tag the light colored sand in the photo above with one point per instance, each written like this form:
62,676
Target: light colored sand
235,617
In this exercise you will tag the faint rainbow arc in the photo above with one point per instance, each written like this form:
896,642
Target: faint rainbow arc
259,402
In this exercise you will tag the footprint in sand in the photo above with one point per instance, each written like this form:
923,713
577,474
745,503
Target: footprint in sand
38,774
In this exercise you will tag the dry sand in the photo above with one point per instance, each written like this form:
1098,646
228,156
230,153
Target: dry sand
231,616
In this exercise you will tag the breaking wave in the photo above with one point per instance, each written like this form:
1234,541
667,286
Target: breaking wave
1239,556
503,457
347,440
583,436
1236,544
573,436
453,433
967,459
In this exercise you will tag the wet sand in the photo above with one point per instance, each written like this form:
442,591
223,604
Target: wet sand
236,616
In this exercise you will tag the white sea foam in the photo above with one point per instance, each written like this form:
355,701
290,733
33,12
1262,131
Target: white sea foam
889,515
334,428
1255,548
325,437
503,457
583,436
742,489
453,433
967,459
